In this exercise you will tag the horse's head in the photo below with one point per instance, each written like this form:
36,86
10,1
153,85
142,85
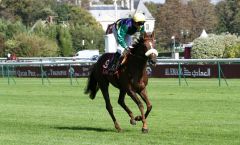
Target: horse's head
145,48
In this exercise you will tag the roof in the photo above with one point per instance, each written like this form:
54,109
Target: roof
142,8
204,34
108,12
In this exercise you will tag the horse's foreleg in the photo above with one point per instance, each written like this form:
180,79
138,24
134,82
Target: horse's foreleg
133,95
121,102
144,96
109,107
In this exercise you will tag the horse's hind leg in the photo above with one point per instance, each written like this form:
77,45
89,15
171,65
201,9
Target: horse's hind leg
121,101
109,106
144,96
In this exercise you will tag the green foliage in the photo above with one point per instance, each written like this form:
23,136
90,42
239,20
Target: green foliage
3,26
232,44
9,29
57,33
34,13
215,46
25,45
44,29
65,41
62,12
233,52
28,11
93,39
84,27
80,17
229,16
2,40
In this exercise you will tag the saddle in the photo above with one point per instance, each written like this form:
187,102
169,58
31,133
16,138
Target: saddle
120,66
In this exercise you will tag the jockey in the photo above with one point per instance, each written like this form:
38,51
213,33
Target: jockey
122,31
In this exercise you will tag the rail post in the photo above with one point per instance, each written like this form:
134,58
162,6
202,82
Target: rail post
42,74
179,74
8,74
71,71
219,74
2,71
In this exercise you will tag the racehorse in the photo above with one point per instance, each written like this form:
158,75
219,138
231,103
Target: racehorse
130,79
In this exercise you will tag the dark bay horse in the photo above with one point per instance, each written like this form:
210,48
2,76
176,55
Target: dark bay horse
131,79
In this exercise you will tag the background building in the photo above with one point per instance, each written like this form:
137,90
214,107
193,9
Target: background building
108,14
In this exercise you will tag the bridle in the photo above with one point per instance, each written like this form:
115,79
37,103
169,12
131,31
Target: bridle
145,56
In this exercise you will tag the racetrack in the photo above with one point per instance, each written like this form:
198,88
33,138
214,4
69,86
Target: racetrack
60,114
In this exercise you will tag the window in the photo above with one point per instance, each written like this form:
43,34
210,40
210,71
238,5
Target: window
147,27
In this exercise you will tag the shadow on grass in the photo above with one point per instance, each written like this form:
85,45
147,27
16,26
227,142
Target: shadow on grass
84,128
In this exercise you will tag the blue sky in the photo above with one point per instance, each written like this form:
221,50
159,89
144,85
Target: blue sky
162,1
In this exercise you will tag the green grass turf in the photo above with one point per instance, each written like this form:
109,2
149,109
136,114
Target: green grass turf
60,114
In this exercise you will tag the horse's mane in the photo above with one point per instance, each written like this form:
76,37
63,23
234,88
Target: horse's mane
137,44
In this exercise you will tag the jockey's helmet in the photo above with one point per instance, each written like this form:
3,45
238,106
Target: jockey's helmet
139,17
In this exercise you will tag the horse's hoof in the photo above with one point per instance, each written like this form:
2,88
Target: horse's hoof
133,122
144,130
138,118
119,130
117,126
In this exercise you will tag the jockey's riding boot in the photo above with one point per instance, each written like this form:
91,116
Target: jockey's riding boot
115,62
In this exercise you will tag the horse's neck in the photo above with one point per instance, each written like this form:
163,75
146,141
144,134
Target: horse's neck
137,64
137,60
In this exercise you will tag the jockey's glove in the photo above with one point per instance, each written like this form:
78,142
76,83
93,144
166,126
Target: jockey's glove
130,47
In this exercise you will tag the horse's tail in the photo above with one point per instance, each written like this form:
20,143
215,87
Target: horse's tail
92,85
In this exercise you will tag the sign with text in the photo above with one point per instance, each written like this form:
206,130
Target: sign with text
196,71
160,71
53,71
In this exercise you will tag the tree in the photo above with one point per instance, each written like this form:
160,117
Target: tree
171,19
229,16
29,45
28,11
92,39
62,12
78,21
216,46
9,29
65,41
2,46
184,19
84,27
203,17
